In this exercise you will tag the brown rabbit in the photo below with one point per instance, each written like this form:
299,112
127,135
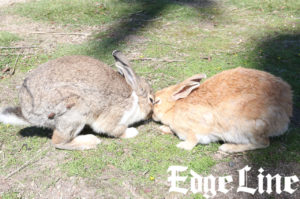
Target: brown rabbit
67,93
241,106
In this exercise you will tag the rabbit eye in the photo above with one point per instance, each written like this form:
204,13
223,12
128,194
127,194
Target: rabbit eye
151,99
157,101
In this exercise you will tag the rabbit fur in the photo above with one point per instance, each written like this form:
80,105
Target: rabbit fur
243,107
70,92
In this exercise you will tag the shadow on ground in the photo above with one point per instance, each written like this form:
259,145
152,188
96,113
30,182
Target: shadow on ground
280,55
146,12
36,131
44,132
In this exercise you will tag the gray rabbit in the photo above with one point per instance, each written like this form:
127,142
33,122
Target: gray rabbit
70,92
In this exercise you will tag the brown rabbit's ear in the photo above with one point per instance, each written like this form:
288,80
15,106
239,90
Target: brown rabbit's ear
188,86
123,67
196,78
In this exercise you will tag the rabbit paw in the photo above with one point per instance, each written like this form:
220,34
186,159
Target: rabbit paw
89,139
81,142
185,145
227,148
130,133
165,129
235,148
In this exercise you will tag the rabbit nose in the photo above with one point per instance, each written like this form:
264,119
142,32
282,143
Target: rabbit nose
154,117
150,114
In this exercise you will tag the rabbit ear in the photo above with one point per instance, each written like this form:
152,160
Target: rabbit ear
188,86
123,67
120,57
184,91
196,78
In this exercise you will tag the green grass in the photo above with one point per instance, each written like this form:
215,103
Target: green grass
88,12
6,38
24,64
8,56
147,158
149,153
10,195
282,149
17,149
268,5
97,12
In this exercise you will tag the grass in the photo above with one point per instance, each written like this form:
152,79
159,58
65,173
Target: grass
18,147
97,12
147,153
6,38
287,6
8,56
210,36
283,149
24,64
89,12
147,158
11,195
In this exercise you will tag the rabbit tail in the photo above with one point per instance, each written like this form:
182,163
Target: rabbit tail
12,115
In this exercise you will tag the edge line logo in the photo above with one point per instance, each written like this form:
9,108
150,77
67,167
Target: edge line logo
207,185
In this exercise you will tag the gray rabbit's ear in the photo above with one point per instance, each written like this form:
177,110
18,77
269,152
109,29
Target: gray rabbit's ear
119,57
123,67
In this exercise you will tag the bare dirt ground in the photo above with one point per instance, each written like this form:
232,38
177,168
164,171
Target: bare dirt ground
45,37
10,2
240,161
47,181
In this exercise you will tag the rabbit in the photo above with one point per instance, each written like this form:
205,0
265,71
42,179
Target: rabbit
242,107
70,92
